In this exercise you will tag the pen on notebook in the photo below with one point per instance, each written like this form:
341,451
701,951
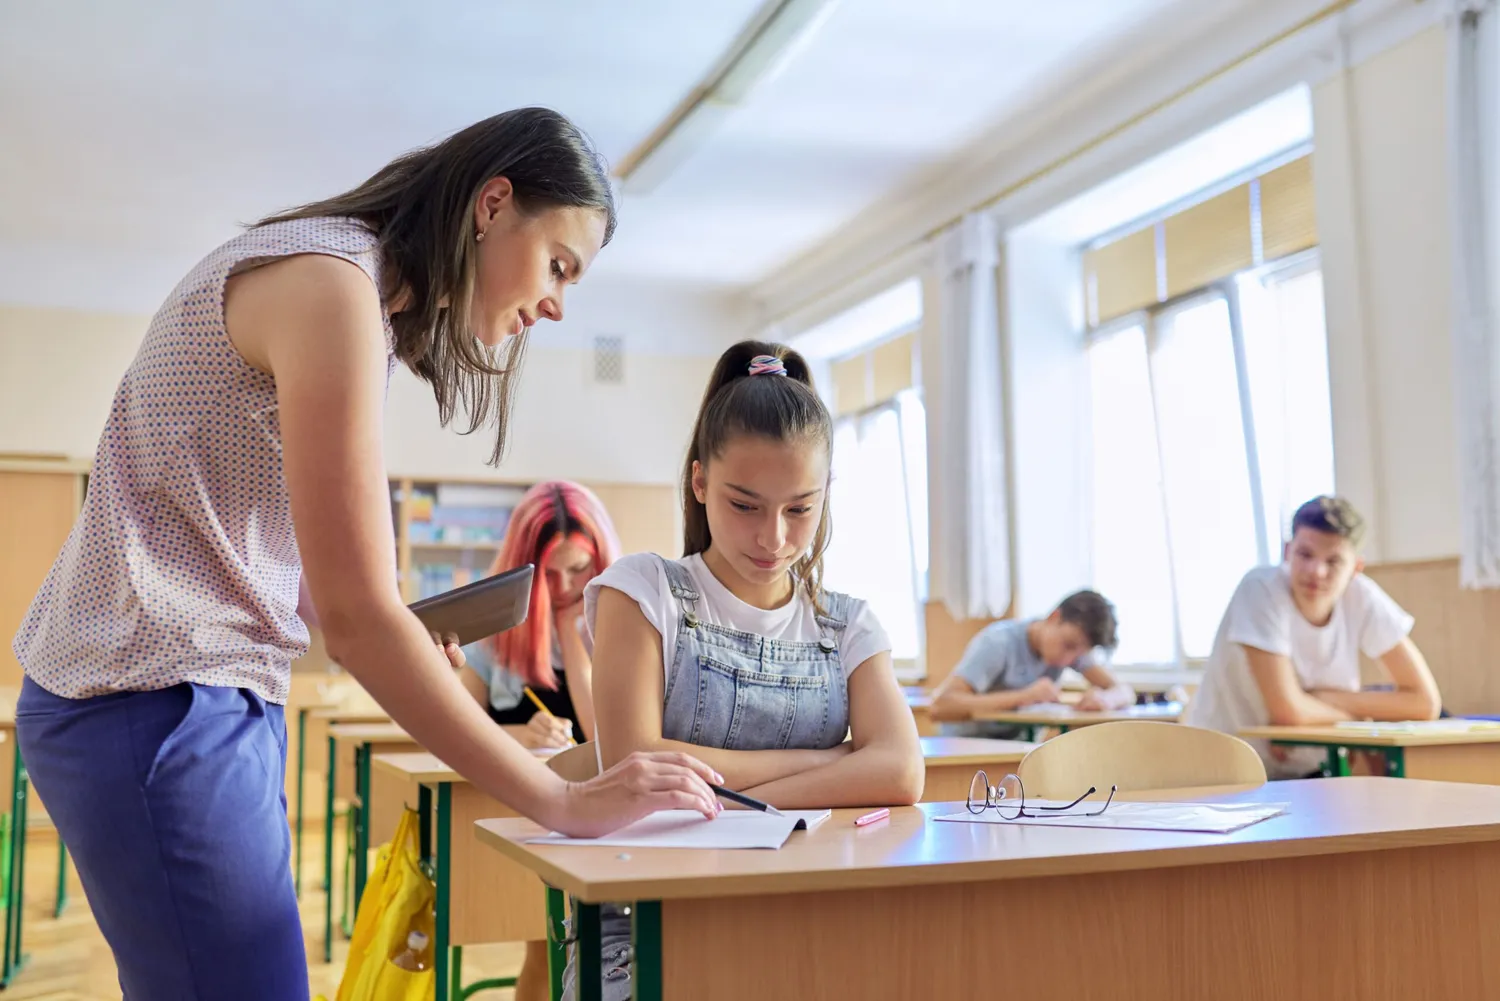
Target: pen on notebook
543,707
743,800
870,818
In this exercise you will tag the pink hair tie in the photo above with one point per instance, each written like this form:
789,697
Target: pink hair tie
766,365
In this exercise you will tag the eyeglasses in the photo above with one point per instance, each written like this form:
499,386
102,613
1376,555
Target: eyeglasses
1008,799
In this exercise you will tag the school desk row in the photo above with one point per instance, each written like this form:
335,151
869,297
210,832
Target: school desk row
485,896
492,901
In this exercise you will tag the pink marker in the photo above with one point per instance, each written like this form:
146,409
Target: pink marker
870,818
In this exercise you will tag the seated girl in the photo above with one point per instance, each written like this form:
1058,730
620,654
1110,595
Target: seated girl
563,530
735,652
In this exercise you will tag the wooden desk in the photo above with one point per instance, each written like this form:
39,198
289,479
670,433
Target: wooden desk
481,895
1064,719
1446,756
350,746
909,908
919,701
322,715
952,761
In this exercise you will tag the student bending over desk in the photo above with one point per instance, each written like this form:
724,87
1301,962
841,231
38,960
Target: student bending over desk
1017,662
735,653
1287,651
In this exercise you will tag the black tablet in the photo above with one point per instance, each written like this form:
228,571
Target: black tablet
482,608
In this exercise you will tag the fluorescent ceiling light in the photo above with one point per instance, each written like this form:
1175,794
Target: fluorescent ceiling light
758,55
785,33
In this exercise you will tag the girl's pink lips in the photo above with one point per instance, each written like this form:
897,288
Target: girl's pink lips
765,564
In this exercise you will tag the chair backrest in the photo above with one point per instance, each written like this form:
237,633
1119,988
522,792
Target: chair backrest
1137,755
576,764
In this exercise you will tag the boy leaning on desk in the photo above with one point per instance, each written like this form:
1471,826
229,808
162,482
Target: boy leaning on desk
1016,663
1288,648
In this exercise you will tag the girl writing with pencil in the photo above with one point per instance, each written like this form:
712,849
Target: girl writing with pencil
735,653
539,674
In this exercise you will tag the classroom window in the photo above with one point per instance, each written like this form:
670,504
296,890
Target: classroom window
1211,422
879,507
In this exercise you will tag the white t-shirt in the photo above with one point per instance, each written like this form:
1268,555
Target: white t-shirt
643,577
1262,614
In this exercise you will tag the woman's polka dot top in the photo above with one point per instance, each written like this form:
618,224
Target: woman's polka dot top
183,564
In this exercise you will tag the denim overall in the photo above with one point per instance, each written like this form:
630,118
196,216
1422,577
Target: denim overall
740,692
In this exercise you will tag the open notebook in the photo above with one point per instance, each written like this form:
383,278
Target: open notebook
686,829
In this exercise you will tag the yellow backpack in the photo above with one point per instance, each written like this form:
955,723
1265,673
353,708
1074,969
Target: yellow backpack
398,899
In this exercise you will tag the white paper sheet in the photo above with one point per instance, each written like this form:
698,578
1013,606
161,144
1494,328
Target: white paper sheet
1200,818
686,829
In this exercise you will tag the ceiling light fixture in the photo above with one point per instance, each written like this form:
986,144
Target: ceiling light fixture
780,29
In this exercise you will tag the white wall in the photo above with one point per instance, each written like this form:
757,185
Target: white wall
1380,168
59,369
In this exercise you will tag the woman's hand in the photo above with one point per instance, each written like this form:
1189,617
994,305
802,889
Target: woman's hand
451,650
639,785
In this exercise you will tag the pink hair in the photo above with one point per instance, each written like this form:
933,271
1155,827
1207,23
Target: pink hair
549,514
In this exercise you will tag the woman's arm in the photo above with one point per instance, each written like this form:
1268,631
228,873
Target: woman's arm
628,680
885,767
313,322
475,686
578,668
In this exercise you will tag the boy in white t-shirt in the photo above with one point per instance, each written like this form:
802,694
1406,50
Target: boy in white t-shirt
1287,652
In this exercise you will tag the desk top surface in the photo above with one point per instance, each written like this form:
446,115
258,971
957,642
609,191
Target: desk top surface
1323,816
1393,736
1057,715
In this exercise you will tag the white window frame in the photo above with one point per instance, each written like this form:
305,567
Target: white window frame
907,669
1147,319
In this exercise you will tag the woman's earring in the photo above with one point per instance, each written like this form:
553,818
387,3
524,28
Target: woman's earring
479,236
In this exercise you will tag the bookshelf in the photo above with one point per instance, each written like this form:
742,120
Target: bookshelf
447,532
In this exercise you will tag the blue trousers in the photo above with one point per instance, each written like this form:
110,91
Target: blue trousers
173,806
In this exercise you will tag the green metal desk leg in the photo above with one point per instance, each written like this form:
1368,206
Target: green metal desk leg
1062,729
440,876
590,954
328,857
16,957
647,931
301,772
1338,761
1028,733
12,860
346,924
557,937
62,878
361,821
1395,762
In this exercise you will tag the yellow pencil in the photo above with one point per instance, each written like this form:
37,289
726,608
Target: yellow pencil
543,707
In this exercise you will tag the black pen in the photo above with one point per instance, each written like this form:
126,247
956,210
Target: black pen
743,800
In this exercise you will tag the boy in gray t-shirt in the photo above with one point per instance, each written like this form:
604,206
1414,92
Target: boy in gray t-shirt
1017,662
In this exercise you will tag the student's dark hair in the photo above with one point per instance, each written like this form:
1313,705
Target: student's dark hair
1332,516
1092,613
780,408
421,207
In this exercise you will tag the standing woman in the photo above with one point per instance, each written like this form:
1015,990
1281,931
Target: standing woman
242,453
564,530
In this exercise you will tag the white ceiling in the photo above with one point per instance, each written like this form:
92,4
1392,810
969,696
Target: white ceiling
134,136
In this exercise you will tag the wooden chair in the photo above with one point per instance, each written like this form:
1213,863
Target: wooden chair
576,764
1137,755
